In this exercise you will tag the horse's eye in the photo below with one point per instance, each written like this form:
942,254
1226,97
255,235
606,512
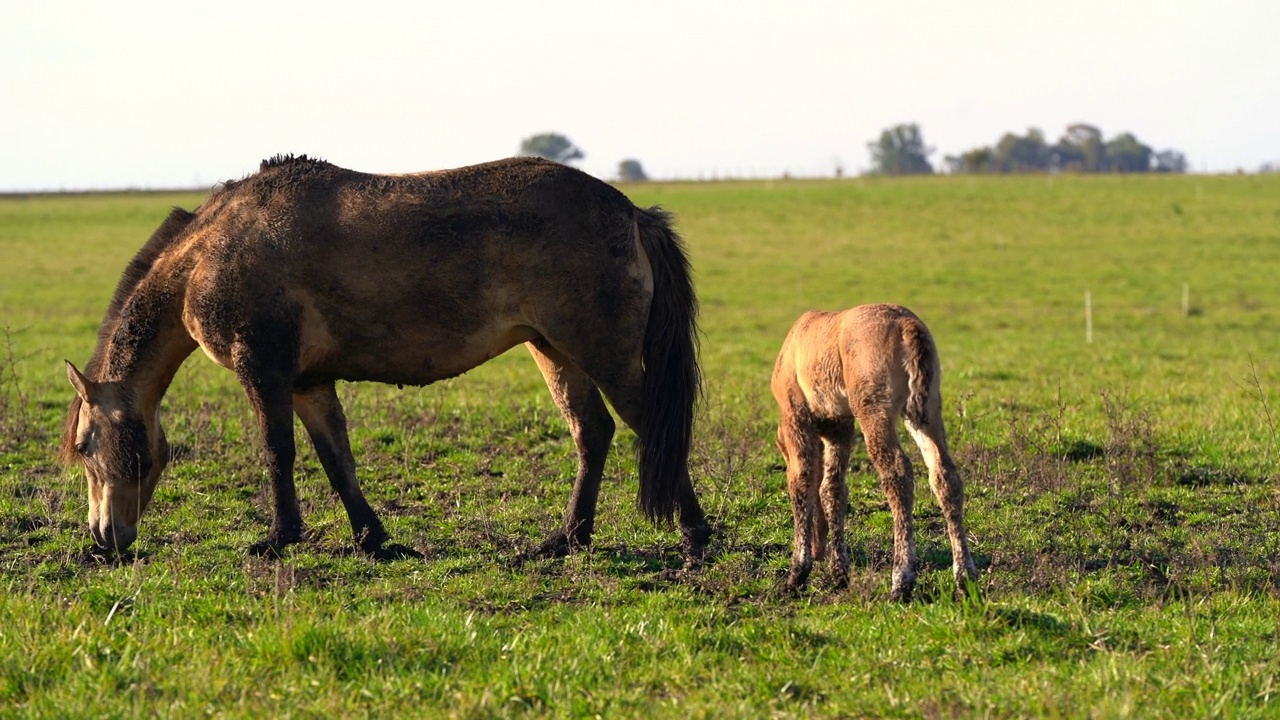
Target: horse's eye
82,447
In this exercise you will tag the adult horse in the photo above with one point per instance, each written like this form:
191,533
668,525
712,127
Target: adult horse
305,273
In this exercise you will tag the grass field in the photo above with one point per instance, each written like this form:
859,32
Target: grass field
1123,495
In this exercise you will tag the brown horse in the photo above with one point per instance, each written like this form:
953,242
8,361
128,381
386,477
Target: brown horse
304,274
872,363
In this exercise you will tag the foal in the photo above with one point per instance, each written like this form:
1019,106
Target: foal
872,363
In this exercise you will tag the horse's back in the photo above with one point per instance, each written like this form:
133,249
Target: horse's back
414,278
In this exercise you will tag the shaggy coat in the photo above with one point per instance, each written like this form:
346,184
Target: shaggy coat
305,274
872,364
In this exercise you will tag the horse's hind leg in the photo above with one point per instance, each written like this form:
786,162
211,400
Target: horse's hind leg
321,414
617,373
802,449
592,429
894,466
948,486
834,497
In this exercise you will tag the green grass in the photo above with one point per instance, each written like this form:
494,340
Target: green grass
1123,495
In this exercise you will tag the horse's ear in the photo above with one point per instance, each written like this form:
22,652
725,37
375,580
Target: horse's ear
83,385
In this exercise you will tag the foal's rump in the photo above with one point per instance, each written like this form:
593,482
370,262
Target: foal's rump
888,351
871,358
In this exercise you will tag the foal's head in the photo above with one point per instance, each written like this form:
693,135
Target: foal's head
123,453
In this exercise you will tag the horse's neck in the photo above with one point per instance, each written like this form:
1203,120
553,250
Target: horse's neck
148,344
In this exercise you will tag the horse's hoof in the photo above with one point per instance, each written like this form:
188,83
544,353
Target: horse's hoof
274,544
557,545
371,541
268,548
699,536
693,545
393,551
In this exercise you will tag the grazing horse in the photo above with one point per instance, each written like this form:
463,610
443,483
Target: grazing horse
871,364
305,273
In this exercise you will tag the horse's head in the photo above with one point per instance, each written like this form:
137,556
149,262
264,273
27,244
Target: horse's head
123,451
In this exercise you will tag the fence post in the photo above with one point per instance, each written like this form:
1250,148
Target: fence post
1088,318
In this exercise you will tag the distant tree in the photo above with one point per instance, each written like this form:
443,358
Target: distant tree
900,151
977,160
551,146
1125,154
1028,153
631,171
1170,161
1080,149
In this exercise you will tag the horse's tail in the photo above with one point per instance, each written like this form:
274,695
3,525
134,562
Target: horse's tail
671,383
922,367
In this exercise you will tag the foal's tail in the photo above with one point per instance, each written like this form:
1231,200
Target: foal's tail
922,365
671,377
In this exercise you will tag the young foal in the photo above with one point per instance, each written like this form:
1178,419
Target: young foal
872,363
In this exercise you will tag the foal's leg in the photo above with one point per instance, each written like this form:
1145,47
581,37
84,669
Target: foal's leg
322,416
948,486
894,466
802,448
834,496
271,398
592,429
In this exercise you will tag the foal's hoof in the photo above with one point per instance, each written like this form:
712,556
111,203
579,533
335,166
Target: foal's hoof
968,591
796,582
904,582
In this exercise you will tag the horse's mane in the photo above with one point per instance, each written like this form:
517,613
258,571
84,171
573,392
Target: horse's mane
134,272
282,159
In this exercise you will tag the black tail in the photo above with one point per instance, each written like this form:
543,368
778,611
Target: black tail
922,358
671,377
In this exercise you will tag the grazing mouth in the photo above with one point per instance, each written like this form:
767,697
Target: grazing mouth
114,539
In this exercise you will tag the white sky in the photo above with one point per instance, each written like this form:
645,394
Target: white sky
162,94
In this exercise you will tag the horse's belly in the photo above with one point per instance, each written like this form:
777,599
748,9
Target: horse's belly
409,358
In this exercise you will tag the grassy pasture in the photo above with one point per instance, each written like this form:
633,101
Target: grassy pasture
1123,495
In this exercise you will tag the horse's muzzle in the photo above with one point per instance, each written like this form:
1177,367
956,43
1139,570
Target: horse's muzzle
114,537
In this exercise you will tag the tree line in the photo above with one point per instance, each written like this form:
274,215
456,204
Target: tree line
557,147
901,150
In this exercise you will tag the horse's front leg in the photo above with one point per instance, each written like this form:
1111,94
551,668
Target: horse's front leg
272,401
326,424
